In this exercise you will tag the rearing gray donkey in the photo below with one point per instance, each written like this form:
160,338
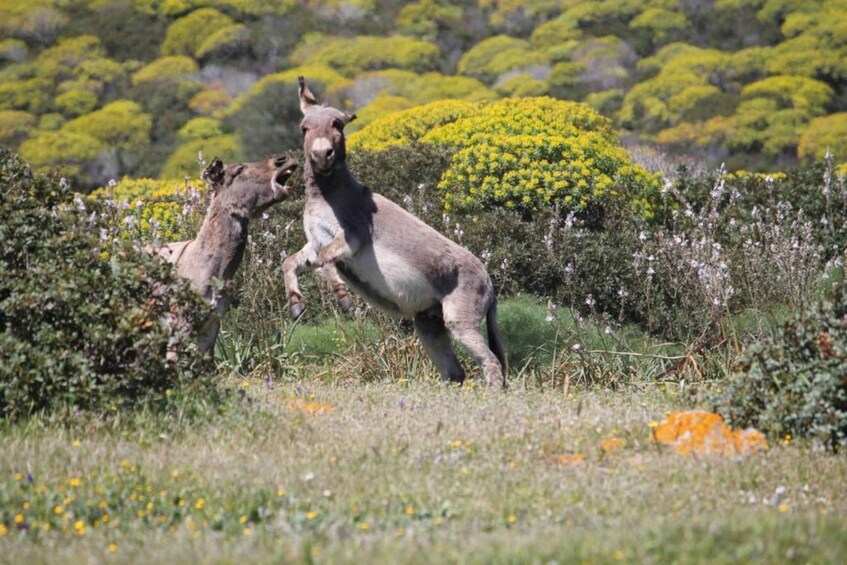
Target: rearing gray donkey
394,260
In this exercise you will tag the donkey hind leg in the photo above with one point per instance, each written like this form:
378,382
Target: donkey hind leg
292,266
338,286
436,342
208,334
464,325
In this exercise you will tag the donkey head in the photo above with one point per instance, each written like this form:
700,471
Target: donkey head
248,189
323,132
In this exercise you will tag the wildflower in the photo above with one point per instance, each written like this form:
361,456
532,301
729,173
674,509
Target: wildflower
58,510
111,548
409,511
79,527
311,515
364,526
3,530
511,519
75,481
75,443
20,519
175,473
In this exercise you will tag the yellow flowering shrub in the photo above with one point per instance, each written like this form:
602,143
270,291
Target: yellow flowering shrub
705,433
530,172
404,127
153,202
542,116
352,55
518,153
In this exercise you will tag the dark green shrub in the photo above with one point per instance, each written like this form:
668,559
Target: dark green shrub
85,324
795,383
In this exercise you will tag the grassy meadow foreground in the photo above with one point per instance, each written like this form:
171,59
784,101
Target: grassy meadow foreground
414,472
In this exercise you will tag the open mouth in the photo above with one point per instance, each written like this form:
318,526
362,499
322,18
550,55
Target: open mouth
283,175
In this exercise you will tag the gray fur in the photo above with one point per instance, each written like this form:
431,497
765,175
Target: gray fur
241,191
390,257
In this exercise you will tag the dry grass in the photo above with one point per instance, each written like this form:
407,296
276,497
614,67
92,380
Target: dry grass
413,472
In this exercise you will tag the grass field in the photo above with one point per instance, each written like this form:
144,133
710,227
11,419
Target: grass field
411,472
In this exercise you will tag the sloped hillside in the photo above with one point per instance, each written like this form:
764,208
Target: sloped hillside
107,88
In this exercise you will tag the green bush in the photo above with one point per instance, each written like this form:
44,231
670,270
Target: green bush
496,55
351,56
187,35
84,321
795,383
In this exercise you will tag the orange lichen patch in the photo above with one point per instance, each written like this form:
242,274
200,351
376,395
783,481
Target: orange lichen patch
611,444
569,458
305,407
705,433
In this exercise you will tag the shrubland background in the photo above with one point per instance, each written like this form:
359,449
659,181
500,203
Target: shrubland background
139,87
575,147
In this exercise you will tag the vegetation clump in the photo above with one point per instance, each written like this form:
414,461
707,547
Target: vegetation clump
795,384
525,154
86,323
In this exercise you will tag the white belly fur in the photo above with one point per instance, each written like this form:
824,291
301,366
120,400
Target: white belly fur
393,279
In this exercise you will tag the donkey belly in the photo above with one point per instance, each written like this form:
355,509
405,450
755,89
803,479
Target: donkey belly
388,281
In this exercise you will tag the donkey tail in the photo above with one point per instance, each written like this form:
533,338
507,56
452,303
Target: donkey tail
495,342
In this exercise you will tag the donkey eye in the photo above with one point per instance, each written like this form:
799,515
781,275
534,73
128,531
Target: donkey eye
304,129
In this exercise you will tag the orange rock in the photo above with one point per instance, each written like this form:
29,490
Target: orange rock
705,433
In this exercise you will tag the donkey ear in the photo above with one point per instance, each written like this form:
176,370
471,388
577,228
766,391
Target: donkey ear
307,99
214,173
349,118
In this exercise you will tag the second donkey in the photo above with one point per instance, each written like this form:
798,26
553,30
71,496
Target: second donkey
241,191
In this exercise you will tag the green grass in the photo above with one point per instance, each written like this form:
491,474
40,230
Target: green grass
409,472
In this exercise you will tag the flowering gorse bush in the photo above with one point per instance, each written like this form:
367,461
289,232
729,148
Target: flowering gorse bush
525,154
529,172
407,126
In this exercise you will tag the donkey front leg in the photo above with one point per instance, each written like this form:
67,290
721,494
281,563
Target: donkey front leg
292,266
338,286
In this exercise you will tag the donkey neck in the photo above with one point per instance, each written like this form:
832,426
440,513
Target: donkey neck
328,186
222,240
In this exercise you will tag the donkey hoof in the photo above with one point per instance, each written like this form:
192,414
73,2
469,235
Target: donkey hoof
296,310
345,303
